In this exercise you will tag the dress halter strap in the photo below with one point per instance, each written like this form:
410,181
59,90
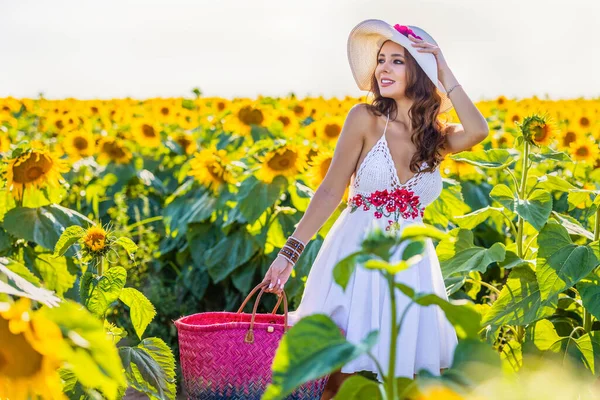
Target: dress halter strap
386,124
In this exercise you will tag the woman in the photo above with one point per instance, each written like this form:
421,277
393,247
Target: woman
411,82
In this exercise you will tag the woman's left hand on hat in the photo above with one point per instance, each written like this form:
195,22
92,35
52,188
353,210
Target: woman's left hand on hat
426,47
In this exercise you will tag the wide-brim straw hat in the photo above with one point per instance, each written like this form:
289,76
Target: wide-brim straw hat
366,39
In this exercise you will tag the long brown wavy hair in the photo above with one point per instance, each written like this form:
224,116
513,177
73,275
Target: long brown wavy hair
428,130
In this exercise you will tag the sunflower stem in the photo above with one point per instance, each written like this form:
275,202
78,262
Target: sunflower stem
522,190
100,266
597,225
587,316
391,389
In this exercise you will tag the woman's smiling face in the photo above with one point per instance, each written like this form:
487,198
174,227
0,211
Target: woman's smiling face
391,65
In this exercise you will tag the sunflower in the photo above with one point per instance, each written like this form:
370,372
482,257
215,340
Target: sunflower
187,142
288,160
163,110
210,167
4,142
36,167
299,110
584,150
501,101
6,118
214,104
584,122
512,116
290,123
541,133
502,140
79,144
147,134
318,167
28,354
95,239
539,129
113,149
570,136
64,121
186,119
329,129
244,115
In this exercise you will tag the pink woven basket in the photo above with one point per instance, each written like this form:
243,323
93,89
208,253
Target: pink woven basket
227,355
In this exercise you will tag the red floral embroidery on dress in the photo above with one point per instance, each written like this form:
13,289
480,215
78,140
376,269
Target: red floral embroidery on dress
399,202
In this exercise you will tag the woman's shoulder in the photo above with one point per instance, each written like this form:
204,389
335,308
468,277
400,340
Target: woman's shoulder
363,114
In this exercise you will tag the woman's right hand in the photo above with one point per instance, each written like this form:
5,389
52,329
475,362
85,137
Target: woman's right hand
278,274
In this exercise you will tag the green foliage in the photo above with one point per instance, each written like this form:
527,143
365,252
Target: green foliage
149,367
142,311
102,291
68,238
459,254
535,209
255,197
520,301
491,159
519,259
311,348
358,387
54,272
43,225
93,360
560,262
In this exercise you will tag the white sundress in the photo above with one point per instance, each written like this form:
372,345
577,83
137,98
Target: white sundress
426,339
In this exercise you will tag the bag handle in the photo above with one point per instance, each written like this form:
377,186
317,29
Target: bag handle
250,295
262,286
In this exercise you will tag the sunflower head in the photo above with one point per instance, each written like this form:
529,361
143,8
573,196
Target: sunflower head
584,122
95,239
318,167
569,137
29,356
287,159
501,101
34,168
329,129
147,134
187,142
538,130
211,168
583,150
113,149
79,144
249,115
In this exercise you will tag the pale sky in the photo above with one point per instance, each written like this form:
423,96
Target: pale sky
146,48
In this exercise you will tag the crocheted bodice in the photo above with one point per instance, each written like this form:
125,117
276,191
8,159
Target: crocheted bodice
378,172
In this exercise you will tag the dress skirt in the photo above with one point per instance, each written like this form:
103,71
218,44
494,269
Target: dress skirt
426,338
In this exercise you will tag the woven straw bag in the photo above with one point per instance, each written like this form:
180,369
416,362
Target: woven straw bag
228,355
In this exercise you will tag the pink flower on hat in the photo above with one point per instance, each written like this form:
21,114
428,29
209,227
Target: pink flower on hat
405,30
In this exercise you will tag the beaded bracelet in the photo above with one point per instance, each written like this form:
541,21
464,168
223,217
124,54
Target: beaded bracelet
291,253
295,244
292,250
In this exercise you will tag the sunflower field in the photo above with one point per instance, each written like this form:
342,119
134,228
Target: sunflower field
119,216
